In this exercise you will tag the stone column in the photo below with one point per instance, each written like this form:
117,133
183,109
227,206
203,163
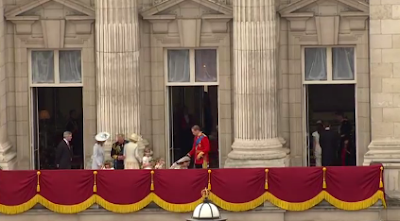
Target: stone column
256,141
7,153
385,83
117,51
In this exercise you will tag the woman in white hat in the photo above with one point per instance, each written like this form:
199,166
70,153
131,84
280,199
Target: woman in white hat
98,150
131,153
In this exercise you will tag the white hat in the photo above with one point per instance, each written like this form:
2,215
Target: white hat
102,136
134,137
183,159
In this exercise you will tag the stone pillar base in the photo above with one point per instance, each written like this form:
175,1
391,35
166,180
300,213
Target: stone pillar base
8,157
385,151
261,153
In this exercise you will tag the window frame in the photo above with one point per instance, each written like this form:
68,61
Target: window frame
329,66
192,68
56,82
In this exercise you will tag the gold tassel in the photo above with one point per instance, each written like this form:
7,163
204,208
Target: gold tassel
323,178
152,180
209,180
380,178
38,182
94,182
266,179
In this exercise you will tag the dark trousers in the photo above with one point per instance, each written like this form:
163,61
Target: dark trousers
198,166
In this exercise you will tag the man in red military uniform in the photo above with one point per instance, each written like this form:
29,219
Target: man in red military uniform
200,149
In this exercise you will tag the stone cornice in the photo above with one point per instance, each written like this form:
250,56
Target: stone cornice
221,8
289,10
73,4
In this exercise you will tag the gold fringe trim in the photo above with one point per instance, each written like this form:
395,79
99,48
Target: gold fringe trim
188,207
67,209
351,206
177,208
295,206
127,208
12,210
237,207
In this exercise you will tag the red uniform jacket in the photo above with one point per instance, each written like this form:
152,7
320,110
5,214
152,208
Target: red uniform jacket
203,146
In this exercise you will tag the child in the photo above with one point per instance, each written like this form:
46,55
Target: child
147,159
160,164
107,166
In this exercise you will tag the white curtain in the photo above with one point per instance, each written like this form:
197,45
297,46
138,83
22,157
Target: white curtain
206,65
343,63
42,67
70,67
315,59
178,66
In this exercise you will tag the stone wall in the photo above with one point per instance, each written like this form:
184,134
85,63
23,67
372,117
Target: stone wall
385,81
320,213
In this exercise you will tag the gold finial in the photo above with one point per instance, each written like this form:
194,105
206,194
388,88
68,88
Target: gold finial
38,182
152,180
94,182
205,193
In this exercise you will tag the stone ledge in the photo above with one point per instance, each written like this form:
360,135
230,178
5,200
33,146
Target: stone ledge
266,208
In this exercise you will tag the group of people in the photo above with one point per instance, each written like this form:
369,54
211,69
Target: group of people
127,154
334,148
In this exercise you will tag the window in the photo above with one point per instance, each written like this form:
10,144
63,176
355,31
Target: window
192,67
56,68
329,65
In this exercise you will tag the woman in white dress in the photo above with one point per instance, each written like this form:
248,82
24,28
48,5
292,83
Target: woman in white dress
131,153
317,146
98,150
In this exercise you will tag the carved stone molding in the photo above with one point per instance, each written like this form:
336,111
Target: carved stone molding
189,38
53,33
159,23
157,2
23,25
219,23
83,24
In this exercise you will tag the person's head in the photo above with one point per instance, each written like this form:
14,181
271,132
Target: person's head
107,164
73,114
120,138
148,152
101,143
340,116
161,161
184,161
67,135
186,164
320,126
196,130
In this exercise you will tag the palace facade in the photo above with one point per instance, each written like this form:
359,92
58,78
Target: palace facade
256,75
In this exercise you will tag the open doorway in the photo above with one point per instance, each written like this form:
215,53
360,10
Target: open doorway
56,110
189,106
324,103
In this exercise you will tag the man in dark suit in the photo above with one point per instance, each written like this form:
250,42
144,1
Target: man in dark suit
64,152
329,141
